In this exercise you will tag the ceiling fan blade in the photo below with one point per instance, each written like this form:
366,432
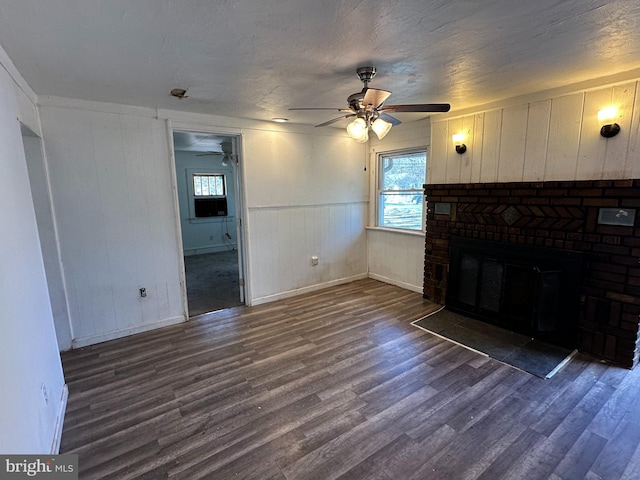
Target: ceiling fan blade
419,107
375,97
322,108
388,118
329,122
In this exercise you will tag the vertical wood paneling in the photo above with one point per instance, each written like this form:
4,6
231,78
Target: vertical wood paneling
632,166
162,220
283,240
108,156
535,155
617,148
29,357
476,152
111,187
591,155
512,143
491,146
396,258
323,231
564,137
472,153
553,139
437,161
454,159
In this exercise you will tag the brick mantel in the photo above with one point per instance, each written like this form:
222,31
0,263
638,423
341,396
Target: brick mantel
561,215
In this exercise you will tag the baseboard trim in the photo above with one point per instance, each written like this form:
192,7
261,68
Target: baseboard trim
105,337
188,252
57,433
311,288
397,283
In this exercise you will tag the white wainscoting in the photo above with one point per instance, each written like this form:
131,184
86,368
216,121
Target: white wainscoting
284,238
396,257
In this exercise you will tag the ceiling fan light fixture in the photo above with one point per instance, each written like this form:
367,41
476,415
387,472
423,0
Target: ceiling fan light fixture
358,130
381,127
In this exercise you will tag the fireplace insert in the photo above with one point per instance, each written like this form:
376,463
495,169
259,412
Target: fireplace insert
530,290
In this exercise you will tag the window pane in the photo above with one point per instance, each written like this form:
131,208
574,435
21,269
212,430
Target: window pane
208,185
404,172
400,192
400,210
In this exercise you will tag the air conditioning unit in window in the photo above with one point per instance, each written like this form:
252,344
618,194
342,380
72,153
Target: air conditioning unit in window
211,207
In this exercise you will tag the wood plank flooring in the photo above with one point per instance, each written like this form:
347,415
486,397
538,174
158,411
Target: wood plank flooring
338,384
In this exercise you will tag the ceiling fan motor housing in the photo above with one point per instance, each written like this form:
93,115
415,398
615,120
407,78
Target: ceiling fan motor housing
366,74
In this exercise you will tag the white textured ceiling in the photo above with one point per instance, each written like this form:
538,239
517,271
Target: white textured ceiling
257,58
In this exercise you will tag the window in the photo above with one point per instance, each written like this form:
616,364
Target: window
208,185
401,176
209,195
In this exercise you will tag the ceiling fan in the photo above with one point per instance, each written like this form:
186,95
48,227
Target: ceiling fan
226,153
367,106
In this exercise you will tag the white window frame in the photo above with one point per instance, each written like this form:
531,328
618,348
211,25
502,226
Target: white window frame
418,190
191,195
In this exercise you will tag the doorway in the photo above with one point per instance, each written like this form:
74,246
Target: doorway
39,183
210,200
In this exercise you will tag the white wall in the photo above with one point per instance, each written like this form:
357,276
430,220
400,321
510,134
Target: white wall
111,186
307,195
204,235
396,257
553,138
33,394
39,181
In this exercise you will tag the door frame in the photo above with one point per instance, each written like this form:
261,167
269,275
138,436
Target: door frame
240,200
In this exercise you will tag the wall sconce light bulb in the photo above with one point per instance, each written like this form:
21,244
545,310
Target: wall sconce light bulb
458,141
606,118
606,114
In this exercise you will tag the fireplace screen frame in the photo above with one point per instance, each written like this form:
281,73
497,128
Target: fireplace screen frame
527,289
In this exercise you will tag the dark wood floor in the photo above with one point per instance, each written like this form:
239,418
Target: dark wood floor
338,384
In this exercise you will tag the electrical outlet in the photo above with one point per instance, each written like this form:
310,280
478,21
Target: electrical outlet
143,292
314,260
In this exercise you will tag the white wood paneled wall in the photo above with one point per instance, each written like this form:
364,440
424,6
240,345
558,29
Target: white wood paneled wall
396,257
549,139
110,173
307,195
112,195
30,366
283,240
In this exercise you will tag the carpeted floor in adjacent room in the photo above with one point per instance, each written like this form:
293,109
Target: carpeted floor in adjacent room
212,281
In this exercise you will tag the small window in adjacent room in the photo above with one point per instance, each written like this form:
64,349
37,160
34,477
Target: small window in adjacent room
208,185
209,192
400,200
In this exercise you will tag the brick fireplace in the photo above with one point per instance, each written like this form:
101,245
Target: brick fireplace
561,215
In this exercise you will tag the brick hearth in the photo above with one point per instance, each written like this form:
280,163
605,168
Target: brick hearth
561,215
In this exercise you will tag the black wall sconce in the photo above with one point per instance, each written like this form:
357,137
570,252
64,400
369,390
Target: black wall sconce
458,141
609,127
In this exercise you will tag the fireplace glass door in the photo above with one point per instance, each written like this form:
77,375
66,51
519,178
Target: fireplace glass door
530,290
